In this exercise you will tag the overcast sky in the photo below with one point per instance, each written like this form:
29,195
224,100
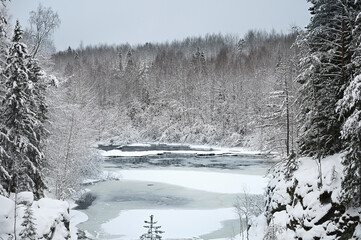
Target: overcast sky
141,21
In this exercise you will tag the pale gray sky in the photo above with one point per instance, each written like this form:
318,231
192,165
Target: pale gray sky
141,21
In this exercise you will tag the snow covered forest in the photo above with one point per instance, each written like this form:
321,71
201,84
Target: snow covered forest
220,90
296,94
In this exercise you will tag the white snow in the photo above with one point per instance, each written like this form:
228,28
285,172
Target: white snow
256,232
25,198
219,182
139,145
175,223
76,217
48,213
195,149
6,216
307,208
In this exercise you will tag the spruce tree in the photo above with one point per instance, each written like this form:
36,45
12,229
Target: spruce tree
325,72
130,74
120,64
323,75
40,108
4,43
21,129
154,232
29,230
350,106
130,61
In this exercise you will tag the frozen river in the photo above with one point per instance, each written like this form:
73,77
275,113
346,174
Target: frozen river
189,190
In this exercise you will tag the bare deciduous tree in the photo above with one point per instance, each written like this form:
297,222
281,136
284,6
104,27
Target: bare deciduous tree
246,206
43,22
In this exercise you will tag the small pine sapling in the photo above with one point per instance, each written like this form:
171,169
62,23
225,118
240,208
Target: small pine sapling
154,232
29,231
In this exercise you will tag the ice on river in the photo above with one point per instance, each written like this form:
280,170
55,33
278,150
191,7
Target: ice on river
218,182
176,223
191,149
187,201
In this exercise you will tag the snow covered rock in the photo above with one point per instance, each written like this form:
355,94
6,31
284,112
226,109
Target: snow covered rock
26,198
6,216
51,217
299,208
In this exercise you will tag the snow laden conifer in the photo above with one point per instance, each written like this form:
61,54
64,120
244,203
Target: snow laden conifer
29,229
350,105
324,64
4,43
351,134
4,40
323,48
21,128
130,75
154,232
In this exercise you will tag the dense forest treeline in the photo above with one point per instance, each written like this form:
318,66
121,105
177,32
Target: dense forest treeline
211,90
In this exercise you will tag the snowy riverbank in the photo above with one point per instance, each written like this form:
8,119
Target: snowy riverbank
50,217
298,208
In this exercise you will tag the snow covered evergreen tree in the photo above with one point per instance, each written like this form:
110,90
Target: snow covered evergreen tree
4,40
325,50
4,43
324,64
120,64
154,232
29,231
350,106
130,60
351,134
21,128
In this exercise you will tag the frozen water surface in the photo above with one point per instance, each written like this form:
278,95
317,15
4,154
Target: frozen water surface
189,191
177,224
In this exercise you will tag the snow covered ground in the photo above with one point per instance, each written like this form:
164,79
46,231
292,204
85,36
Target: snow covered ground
50,216
302,209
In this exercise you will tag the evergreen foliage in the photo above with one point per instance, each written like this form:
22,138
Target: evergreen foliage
323,75
330,81
154,232
22,126
29,231
4,43
351,135
350,106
